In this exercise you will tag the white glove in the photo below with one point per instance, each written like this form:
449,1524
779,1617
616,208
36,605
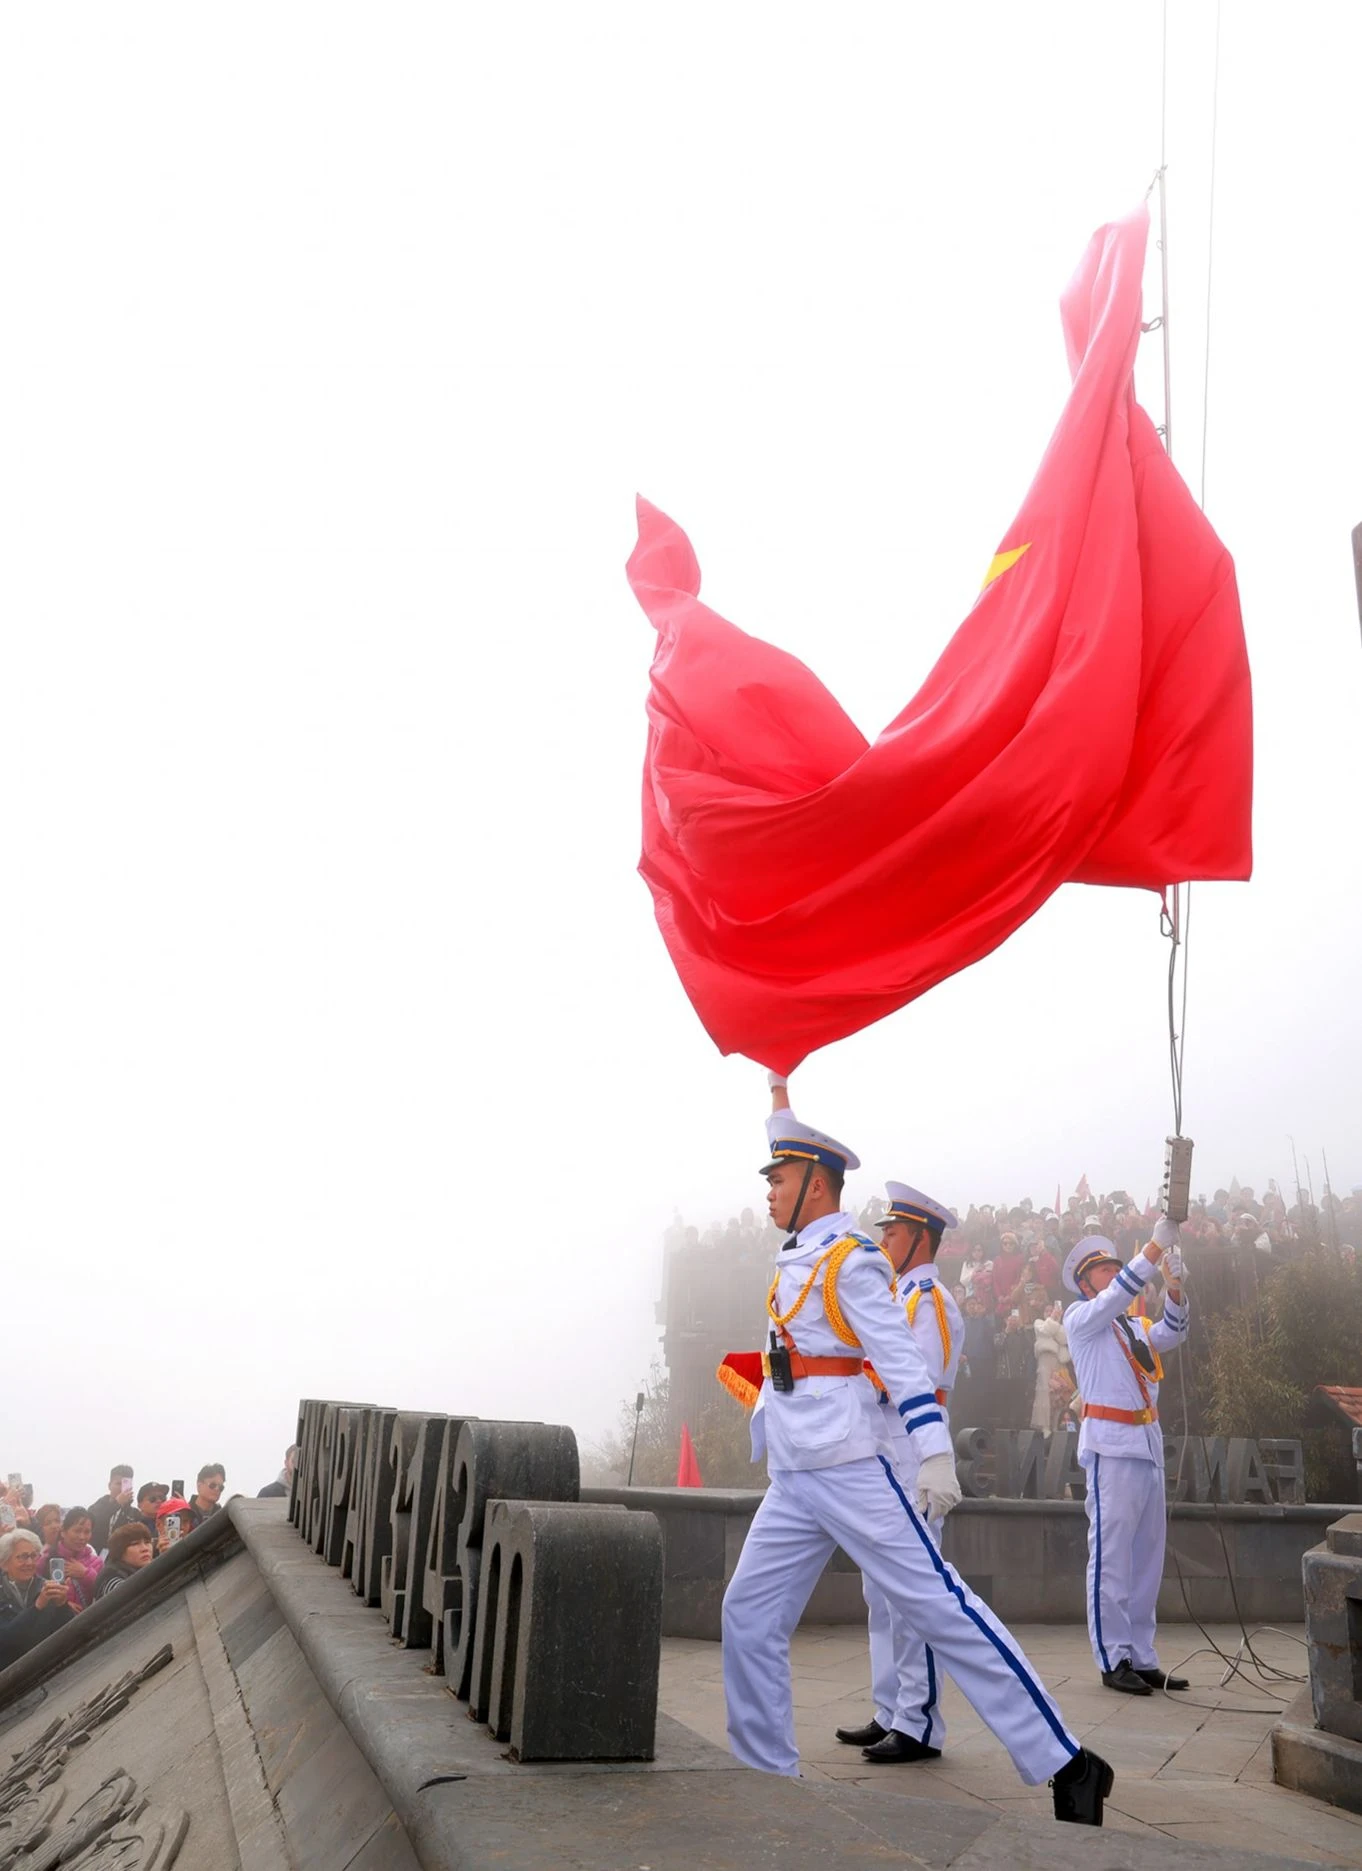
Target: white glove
938,1489
1165,1233
777,1081
1173,1268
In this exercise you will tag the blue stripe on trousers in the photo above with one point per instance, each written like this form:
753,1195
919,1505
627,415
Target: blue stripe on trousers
930,1704
1013,1662
1097,1563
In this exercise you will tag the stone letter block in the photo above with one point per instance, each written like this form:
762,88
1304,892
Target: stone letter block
1020,1457
295,1483
407,1426
441,1584
497,1461
975,1462
1248,1482
319,1514
1062,1468
570,1631
416,1632
1284,1464
369,1524
336,1496
1210,1468
312,1480
302,1494
357,1453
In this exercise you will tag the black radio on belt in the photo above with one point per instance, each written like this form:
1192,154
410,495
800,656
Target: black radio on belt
1139,1345
778,1364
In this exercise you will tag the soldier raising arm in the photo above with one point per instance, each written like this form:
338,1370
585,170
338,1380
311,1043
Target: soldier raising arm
833,1484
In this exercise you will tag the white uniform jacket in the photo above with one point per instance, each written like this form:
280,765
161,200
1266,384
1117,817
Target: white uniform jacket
1104,1370
829,1420
941,1348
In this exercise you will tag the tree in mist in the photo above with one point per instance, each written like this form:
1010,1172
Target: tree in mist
1265,1360
720,1434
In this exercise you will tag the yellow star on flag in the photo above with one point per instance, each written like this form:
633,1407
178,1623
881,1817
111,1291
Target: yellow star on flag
1002,561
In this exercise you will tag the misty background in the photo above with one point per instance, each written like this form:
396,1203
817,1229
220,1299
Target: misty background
339,1052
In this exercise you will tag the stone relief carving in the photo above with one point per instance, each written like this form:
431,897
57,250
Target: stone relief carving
113,1829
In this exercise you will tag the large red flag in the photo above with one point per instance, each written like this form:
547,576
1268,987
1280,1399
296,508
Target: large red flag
1090,722
688,1468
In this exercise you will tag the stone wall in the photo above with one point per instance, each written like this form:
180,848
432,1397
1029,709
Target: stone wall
1323,1756
1028,1559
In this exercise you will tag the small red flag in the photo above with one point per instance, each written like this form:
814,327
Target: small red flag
688,1469
1089,722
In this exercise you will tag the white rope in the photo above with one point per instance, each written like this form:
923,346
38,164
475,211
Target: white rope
1176,924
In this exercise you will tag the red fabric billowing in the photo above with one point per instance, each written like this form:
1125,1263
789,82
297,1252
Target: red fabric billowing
688,1467
1090,721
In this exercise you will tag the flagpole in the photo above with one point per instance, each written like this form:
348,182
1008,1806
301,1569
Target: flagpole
633,1450
1163,245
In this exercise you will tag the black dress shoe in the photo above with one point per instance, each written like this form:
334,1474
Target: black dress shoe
862,1737
1080,1787
897,1746
1157,1680
1127,1680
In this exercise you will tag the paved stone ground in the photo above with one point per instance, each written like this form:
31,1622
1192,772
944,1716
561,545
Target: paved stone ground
1202,1774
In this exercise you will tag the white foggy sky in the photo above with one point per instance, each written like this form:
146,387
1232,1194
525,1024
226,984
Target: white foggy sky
339,1053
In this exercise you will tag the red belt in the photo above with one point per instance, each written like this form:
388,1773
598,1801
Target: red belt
1106,1415
800,1366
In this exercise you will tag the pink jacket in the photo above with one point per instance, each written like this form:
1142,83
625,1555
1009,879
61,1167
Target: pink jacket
79,1592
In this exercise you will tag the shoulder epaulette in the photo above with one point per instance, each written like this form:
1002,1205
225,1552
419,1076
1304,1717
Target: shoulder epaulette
836,1258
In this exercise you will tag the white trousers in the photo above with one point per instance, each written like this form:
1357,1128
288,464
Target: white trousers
1126,1531
904,1678
862,1507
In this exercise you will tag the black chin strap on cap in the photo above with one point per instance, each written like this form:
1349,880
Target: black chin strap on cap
793,1223
921,1232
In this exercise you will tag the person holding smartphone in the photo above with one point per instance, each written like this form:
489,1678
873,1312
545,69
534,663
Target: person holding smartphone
31,1607
149,1498
103,1510
19,1499
172,1522
72,1560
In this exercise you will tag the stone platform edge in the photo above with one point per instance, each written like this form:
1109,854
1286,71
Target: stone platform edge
1306,1759
415,1735
463,1804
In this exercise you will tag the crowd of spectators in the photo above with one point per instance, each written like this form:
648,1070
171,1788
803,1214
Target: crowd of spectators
56,1562
1003,1264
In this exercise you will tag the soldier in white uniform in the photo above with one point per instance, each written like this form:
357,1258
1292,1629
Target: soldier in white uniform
1117,1363
819,1423
908,1724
